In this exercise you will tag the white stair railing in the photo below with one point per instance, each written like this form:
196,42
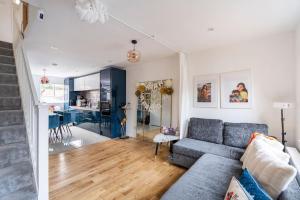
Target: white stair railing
35,115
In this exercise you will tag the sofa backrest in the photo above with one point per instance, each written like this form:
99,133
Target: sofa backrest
210,130
238,134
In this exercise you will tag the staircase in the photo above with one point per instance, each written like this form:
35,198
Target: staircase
16,171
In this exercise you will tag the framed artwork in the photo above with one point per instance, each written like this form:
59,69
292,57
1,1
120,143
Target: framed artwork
206,91
236,89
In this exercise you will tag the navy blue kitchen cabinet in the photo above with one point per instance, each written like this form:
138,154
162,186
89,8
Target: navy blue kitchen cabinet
112,98
70,94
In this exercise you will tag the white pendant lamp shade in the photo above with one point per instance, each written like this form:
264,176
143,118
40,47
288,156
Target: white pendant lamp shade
91,11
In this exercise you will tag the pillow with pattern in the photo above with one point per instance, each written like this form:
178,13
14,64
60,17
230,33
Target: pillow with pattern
236,191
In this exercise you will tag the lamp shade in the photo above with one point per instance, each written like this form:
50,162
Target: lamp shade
282,105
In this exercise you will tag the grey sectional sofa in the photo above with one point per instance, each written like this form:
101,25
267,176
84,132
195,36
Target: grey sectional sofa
212,151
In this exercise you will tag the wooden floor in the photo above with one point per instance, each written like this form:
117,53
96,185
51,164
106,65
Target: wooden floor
116,169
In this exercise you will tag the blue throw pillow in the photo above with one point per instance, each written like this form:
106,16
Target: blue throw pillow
252,187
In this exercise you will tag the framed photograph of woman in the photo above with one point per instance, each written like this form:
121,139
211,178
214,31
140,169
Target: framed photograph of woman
236,89
206,91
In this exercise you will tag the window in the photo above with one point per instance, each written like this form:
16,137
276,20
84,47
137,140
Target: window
52,93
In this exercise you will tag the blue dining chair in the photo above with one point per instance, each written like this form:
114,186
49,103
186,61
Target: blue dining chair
53,124
65,121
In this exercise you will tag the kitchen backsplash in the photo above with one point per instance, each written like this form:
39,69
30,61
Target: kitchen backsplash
92,96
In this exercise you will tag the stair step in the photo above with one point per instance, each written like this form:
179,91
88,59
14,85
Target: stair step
11,117
12,134
9,90
7,60
23,194
13,153
6,45
6,78
6,52
16,177
10,103
6,68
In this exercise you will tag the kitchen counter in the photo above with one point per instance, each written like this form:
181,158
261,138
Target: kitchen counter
84,108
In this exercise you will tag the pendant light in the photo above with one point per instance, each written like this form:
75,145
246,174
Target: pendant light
133,55
44,79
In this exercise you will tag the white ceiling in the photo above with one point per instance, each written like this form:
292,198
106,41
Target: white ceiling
182,25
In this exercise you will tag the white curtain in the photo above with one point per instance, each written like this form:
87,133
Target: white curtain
183,95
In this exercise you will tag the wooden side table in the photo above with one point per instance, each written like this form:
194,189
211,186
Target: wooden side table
160,138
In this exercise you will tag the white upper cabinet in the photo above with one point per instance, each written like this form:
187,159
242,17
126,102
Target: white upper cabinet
79,84
91,82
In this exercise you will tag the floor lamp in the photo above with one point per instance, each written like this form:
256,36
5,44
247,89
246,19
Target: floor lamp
282,106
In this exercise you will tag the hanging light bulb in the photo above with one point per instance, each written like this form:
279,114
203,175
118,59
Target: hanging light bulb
44,79
133,55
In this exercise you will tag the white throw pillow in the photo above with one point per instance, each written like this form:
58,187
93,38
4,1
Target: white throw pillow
236,191
270,145
271,170
261,146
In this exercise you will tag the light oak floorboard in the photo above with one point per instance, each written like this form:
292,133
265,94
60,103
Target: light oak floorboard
116,169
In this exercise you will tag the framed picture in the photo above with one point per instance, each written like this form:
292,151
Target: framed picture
206,91
236,89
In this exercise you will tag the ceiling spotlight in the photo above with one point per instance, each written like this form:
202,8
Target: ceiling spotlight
54,64
54,48
133,55
210,29
18,2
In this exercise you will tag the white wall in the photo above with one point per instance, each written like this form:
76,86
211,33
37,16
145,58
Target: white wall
298,85
272,61
165,68
6,33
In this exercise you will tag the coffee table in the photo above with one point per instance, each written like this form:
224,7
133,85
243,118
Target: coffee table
160,138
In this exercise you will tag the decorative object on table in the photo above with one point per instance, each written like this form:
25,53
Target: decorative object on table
160,138
206,91
236,89
44,79
282,106
168,131
133,55
91,11
51,108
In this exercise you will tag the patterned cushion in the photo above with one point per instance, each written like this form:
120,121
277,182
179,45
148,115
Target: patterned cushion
210,130
238,134
236,191
252,187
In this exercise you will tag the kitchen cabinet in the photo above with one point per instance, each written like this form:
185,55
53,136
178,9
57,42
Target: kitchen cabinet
90,82
112,98
79,84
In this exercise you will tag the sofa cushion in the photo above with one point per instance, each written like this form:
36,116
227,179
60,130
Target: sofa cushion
208,178
210,130
292,192
236,191
196,148
253,187
238,134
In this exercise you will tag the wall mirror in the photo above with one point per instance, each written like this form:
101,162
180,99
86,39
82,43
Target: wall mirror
154,107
